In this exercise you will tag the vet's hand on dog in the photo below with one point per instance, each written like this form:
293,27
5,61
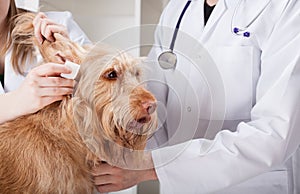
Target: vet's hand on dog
109,178
44,28
43,86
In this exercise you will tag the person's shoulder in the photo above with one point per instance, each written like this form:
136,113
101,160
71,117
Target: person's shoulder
284,8
58,13
176,3
172,10
59,16
65,18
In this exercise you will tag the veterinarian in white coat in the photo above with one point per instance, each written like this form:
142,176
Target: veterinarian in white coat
17,96
255,45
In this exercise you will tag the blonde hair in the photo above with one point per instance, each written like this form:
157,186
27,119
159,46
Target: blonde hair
18,57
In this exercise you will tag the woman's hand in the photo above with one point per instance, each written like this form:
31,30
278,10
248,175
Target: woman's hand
41,87
44,28
108,178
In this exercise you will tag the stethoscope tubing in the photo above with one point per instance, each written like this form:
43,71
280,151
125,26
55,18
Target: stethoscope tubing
178,25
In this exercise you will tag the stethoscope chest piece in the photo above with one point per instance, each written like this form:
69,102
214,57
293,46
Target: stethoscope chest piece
167,60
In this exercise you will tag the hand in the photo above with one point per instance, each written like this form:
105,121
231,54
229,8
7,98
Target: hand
109,179
44,28
41,87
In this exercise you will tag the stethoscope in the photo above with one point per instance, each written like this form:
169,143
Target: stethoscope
168,59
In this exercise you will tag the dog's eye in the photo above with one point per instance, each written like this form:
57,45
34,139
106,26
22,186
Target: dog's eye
112,75
137,73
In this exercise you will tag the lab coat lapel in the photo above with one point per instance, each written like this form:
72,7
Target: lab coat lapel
217,13
245,14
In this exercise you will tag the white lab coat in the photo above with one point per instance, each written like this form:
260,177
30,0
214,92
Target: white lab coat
12,79
259,99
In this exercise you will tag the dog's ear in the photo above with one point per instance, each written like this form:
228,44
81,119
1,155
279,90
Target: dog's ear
88,127
61,50
99,145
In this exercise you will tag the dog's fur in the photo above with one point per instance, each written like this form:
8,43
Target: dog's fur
109,115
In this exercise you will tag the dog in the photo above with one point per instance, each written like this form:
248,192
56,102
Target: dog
108,118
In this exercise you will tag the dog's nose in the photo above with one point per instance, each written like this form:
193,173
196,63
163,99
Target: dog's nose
149,106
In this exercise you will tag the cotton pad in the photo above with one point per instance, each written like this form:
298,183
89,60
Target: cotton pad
75,69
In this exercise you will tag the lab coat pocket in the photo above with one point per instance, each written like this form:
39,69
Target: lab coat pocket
239,70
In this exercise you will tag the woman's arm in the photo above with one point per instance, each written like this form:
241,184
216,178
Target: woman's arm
40,88
43,85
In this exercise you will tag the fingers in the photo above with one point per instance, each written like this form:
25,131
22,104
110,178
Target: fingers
105,174
104,180
50,69
109,179
108,188
103,169
44,28
56,81
37,26
43,84
109,183
49,100
51,28
55,91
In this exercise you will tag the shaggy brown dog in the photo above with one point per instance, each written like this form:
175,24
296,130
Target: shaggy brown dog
109,115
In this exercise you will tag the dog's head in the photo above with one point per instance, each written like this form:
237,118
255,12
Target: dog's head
118,112
112,110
